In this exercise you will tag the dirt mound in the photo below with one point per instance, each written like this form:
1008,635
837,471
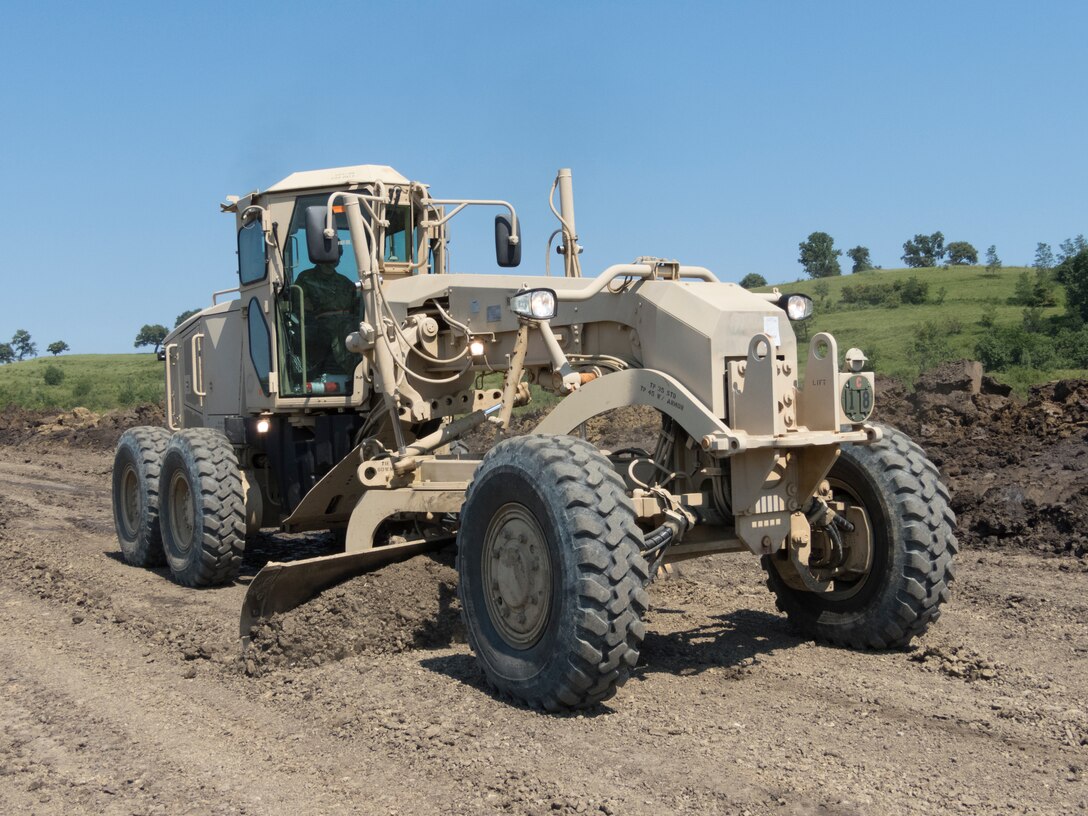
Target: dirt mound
411,605
1016,468
78,427
634,426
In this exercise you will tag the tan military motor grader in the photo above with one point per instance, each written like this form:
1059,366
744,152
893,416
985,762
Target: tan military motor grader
326,393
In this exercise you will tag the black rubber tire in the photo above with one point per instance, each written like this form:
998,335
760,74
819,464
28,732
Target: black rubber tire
594,631
914,544
136,464
205,542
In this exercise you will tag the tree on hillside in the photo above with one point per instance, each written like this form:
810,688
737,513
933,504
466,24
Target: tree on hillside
7,353
1074,272
1070,247
753,281
1066,250
151,335
22,345
924,250
819,256
993,263
57,348
860,256
961,253
185,316
1044,257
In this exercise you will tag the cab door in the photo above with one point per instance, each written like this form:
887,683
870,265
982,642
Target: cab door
259,376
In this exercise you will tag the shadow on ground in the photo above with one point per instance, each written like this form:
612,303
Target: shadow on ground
732,640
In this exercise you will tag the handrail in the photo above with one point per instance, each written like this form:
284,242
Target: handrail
169,395
224,292
301,331
635,270
198,364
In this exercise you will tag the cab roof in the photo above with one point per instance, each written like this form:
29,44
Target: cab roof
337,176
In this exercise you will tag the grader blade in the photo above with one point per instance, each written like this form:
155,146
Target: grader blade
279,587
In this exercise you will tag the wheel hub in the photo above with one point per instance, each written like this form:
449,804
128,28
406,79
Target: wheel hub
810,565
181,511
130,499
517,576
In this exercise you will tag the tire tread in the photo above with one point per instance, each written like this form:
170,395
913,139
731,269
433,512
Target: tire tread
611,571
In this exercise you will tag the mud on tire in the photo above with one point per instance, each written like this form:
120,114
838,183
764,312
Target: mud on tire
579,641
202,508
913,548
136,464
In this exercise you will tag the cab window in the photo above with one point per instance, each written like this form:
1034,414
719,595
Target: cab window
251,253
398,248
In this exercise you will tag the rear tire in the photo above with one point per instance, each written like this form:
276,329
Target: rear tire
202,508
136,465
913,547
550,575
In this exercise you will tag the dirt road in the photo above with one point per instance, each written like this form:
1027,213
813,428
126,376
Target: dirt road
124,693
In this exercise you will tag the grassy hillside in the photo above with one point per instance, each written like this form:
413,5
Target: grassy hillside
96,381
886,334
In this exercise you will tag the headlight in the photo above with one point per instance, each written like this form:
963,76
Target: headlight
797,307
536,304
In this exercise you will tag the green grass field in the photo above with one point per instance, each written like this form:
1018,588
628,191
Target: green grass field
99,382
885,334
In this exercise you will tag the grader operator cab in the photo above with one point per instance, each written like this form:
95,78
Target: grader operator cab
326,392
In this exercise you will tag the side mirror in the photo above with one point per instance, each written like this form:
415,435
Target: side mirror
507,242
322,250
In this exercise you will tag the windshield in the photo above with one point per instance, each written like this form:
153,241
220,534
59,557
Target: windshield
397,247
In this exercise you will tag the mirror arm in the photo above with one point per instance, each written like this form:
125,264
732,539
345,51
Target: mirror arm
462,203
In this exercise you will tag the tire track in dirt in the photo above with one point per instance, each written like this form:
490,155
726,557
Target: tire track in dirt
89,717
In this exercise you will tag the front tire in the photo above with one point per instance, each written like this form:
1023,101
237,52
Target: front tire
202,508
550,577
136,465
913,545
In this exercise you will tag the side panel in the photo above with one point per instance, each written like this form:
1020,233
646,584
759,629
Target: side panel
202,368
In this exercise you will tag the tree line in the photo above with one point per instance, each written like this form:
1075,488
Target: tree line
22,345
820,258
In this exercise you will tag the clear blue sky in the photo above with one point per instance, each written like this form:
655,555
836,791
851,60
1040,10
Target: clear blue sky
721,134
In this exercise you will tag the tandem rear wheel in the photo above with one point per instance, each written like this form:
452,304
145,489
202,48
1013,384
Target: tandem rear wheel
202,508
136,465
550,577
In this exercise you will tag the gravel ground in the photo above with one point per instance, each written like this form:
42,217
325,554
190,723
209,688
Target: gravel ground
124,693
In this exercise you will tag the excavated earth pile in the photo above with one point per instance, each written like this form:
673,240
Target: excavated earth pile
404,606
1016,468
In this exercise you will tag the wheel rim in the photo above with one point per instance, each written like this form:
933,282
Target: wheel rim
517,576
842,589
130,500
181,512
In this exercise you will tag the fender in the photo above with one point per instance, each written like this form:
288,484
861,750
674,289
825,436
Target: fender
633,386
